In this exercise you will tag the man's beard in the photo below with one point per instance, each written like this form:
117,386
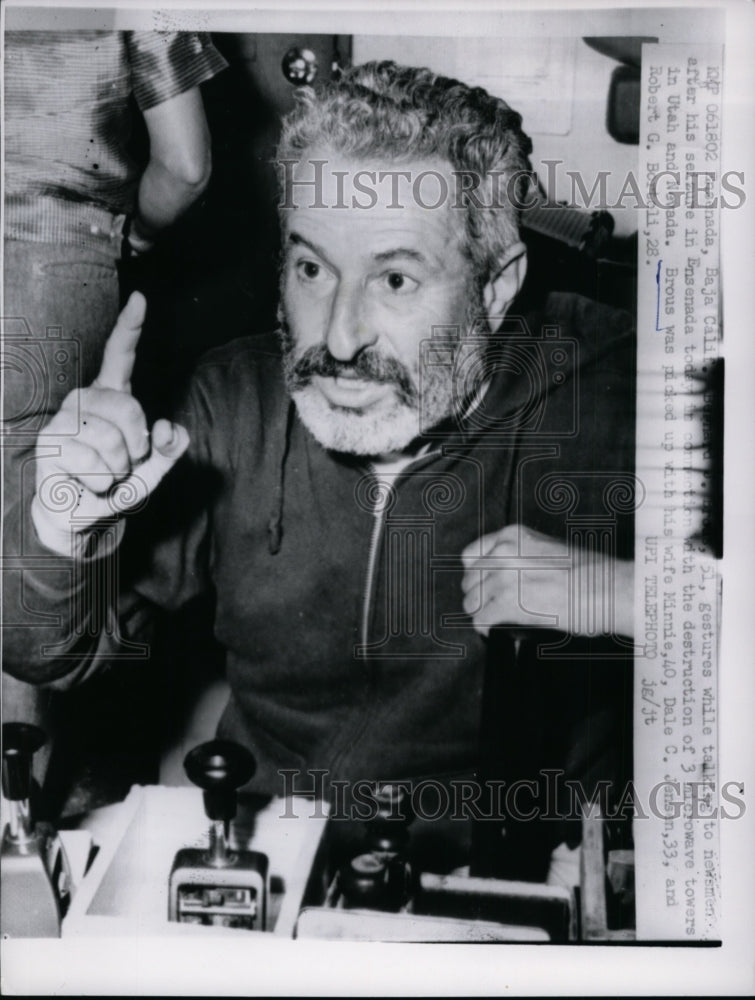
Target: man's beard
393,422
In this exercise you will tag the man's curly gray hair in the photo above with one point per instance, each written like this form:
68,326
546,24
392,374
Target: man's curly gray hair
397,113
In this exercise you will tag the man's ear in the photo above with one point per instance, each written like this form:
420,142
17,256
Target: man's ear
503,287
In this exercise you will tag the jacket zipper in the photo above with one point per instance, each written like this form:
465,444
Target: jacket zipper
377,531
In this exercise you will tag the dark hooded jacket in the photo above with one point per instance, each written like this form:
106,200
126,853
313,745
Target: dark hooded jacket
339,601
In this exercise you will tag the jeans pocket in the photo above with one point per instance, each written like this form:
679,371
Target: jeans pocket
80,272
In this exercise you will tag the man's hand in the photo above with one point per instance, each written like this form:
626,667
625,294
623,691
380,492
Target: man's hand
107,461
522,577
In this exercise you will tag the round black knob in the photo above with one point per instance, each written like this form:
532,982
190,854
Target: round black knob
363,882
20,742
393,803
388,830
220,767
299,66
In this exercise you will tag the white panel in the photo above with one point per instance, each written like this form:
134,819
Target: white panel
534,75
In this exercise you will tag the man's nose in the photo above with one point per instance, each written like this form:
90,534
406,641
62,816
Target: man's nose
348,333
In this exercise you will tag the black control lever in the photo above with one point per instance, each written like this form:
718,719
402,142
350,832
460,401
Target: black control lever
20,742
220,887
220,768
35,877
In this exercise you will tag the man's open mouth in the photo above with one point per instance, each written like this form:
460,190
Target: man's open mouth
350,391
369,373
353,382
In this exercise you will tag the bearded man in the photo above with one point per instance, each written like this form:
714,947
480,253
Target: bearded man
369,492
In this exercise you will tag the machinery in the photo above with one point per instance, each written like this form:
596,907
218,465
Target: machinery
274,866
35,879
219,886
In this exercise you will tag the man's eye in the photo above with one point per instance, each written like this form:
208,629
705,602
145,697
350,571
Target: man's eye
399,282
308,269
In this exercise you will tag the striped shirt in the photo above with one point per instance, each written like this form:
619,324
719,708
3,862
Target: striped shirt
68,121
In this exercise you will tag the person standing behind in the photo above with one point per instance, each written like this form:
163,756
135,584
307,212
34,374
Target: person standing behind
74,197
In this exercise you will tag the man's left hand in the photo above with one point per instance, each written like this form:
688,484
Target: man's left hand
520,577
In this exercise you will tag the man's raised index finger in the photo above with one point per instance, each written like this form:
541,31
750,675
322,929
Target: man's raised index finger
120,349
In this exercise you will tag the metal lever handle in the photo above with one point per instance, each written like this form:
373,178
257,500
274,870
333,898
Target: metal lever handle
20,742
220,767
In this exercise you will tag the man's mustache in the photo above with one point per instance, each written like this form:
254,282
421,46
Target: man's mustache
368,365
